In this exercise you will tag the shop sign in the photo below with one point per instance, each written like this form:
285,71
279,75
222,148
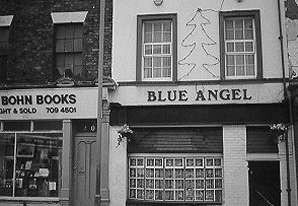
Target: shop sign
45,104
208,94
201,95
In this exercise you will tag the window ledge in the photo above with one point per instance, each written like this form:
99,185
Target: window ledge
162,203
206,82
29,199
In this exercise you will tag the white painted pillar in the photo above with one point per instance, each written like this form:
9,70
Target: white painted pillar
118,169
283,170
236,190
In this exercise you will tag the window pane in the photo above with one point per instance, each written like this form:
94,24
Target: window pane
147,27
60,32
77,45
69,31
78,33
147,32
157,31
248,23
148,49
69,61
148,37
166,72
249,59
4,36
167,27
240,70
166,61
166,49
230,47
60,60
60,70
47,125
229,34
6,157
16,126
157,37
156,72
148,61
248,34
230,70
239,59
69,46
239,46
156,49
78,59
238,34
229,24
249,46
230,60
167,37
157,27
59,45
238,23
156,61
250,70
147,72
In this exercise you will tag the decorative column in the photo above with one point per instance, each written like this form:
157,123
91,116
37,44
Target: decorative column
104,164
66,164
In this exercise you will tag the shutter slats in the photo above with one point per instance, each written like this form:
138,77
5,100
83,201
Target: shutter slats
202,140
260,140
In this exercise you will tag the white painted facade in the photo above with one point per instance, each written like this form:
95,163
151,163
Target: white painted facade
124,35
236,158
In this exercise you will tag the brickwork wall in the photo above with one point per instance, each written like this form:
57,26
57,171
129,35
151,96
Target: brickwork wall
30,55
235,166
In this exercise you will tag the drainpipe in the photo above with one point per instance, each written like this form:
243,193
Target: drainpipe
286,96
99,169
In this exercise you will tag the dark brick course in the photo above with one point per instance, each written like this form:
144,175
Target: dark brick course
31,40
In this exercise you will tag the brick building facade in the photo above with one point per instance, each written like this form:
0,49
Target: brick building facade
31,40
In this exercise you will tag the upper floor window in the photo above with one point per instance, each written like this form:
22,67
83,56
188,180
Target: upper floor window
68,43
240,45
156,48
5,22
68,52
4,34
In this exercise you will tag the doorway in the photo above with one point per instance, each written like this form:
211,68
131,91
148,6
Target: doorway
264,183
84,170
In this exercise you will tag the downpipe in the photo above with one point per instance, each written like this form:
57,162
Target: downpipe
286,97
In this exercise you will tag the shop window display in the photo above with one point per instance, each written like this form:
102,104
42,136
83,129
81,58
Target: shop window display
30,164
158,178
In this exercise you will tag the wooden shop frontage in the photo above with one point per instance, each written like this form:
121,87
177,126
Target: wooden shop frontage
47,143
210,145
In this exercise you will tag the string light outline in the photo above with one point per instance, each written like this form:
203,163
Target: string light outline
203,44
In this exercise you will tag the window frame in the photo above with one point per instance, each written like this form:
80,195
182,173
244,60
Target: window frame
65,53
255,15
185,178
139,55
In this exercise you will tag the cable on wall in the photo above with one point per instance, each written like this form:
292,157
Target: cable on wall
193,65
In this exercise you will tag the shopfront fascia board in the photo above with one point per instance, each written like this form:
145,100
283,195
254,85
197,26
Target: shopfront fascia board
262,93
48,103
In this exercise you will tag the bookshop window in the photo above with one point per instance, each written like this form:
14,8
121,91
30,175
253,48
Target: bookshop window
170,179
30,164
